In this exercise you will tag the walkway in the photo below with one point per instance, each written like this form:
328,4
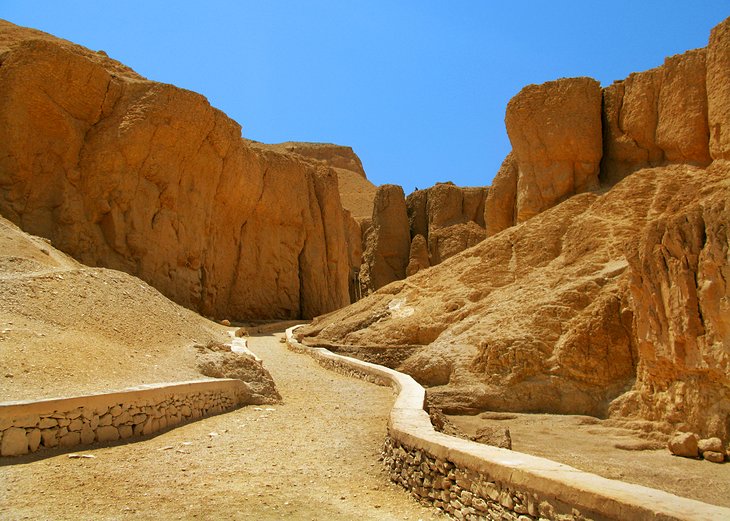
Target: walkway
313,457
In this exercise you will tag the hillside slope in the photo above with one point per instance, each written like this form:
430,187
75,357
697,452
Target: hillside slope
603,287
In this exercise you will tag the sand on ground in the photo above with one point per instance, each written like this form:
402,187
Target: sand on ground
315,456
603,448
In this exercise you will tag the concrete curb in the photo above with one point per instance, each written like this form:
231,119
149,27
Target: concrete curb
591,495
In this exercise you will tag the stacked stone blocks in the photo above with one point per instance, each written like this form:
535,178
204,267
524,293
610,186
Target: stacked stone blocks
27,427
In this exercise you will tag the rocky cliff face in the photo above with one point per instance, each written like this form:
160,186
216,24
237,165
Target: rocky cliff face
611,302
438,223
147,178
570,136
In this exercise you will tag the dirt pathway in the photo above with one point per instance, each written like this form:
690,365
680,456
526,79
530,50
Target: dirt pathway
313,457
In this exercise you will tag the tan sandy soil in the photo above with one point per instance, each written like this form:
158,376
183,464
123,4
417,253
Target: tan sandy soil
592,445
313,457
67,329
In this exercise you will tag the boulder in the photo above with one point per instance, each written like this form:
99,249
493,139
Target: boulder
710,444
714,457
495,436
555,131
684,444
14,442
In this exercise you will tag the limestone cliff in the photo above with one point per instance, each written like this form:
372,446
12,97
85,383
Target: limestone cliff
609,302
147,178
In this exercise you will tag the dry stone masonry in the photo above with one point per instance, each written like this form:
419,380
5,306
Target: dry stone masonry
31,426
466,494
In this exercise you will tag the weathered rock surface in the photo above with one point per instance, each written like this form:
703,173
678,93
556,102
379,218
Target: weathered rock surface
684,444
657,117
218,361
591,307
718,90
147,178
357,193
388,241
555,131
499,207
418,257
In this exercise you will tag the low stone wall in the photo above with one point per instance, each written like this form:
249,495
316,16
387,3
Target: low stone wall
82,420
473,481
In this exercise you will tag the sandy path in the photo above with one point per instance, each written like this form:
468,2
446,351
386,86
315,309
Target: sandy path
313,457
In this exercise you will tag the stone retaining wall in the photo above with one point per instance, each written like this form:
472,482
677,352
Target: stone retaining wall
66,422
474,481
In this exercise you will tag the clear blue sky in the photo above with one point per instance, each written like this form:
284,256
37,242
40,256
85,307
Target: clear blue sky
417,88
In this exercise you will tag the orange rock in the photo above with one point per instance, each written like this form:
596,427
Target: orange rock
147,178
555,131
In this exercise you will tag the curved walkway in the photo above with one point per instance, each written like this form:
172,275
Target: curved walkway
313,457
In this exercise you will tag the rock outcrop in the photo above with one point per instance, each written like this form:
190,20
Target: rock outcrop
388,240
612,303
441,221
555,131
147,178
564,141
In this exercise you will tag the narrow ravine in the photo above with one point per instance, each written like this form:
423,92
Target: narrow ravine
313,457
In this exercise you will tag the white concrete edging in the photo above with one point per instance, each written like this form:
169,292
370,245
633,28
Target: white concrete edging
410,425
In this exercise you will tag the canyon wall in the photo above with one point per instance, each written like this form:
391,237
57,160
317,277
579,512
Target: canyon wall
147,178
602,286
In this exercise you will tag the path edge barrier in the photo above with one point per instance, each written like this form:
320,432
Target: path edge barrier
470,480
67,422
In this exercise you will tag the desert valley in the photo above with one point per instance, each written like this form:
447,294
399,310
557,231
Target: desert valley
553,346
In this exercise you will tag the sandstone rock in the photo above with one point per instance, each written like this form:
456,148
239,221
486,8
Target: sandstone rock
333,155
75,425
49,437
45,423
555,131
125,431
427,369
495,436
221,364
447,242
718,90
449,218
27,421
710,444
417,214
418,258
87,435
34,439
14,442
657,117
499,208
684,444
147,178
70,439
388,244
107,433
714,457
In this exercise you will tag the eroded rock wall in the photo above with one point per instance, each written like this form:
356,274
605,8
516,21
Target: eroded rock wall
147,178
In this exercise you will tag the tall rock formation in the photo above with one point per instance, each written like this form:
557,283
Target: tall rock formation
387,241
611,302
555,131
146,178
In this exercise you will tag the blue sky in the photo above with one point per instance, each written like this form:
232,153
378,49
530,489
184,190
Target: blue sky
417,88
